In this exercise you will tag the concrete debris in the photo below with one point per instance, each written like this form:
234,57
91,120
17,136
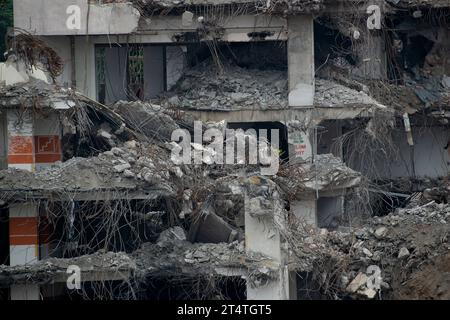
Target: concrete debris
359,281
204,88
331,94
98,267
420,3
36,92
325,173
122,209
420,250
109,170
279,6
380,232
150,120
236,88
403,253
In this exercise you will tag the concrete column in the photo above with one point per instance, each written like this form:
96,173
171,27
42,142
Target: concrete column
23,218
300,147
33,143
262,235
47,140
301,60
24,245
20,140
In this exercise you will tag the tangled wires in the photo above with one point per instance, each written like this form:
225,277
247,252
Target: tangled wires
33,50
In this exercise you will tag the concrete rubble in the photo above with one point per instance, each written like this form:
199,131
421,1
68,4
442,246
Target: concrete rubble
340,219
204,88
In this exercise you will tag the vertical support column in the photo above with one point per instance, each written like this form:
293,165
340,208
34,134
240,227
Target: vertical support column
263,220
23,218
301,150
24,245
20,140
47,140
301,60
48,150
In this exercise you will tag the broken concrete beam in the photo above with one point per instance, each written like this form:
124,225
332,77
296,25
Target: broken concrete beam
210,228
70,17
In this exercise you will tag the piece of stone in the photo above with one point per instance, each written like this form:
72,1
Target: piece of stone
128,174
122,167
359,281
403,253
381,232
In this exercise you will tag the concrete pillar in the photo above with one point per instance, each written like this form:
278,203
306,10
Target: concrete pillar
262,235
301,60
300,147
33,143
24,245
23,218
301,150
20,140
47,140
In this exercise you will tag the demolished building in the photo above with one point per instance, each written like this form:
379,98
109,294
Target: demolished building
88,178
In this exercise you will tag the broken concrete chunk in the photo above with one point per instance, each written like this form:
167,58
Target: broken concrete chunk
381,232
104,134
117,151
128,174
122,167
212,228
367,252
368,292
131,144
403,253
172,234
359,281
446,82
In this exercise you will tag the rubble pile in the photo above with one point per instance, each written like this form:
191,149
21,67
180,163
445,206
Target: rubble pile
125,168
35,94
419,3
404,246
149,120
54,269
327,172
203,87
174,255
236,88
171,256
332,94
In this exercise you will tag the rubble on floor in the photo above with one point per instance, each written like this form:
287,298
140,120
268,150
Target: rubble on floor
397,253
35,93
122,169
205,88
101,265
326,173
419,3
170,256
279,6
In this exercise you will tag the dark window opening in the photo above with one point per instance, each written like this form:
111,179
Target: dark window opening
262,55
130,72
330,44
